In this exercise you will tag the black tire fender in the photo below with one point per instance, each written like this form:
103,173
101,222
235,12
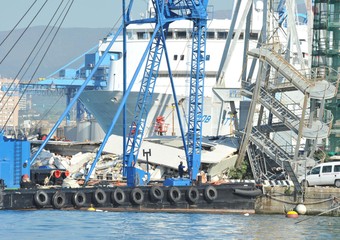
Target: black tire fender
79,199
192,195
58,199
41,198
156,193
210,194
99,196
137,196
118,196
174,194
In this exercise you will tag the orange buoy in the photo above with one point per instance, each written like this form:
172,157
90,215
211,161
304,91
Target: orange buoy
292,214
57,173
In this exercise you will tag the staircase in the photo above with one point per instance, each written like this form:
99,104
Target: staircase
317,89
262,139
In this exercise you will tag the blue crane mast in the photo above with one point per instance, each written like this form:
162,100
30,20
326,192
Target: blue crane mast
167,12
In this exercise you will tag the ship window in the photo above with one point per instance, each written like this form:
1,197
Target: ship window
210,35
142,35
130,35
253,36
169,35
222,35
207,57
181,35
182,57
241,36
175,57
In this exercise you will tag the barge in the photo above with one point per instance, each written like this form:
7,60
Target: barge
19,193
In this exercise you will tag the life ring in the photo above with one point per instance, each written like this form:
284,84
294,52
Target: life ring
59,200
41,198
79,199
174,194
99,196
156,193
118,196
192,195
137,196
210,194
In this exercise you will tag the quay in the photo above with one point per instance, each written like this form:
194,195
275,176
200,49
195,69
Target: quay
281,199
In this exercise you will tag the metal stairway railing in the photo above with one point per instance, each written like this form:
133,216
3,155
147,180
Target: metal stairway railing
255,161
318,89
289,170
268,146
279,110
275,152
318,128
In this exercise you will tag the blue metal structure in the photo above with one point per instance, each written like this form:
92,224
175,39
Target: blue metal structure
14,160
166,11
70,80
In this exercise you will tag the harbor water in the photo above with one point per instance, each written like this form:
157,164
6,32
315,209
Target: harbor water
54,224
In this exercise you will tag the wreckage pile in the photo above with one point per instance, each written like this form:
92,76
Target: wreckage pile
108,167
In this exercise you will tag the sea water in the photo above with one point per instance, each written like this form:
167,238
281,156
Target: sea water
59,224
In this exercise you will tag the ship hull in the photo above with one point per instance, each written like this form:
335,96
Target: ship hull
104,105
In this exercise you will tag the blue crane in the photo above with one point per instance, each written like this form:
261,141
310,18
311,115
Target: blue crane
166,12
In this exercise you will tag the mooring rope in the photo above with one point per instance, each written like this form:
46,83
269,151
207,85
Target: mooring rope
310,203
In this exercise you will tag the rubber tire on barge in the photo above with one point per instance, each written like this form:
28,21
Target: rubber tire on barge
59,200
210,194
137,196
79,199
118,196
174,194
156,193
41,198
99,197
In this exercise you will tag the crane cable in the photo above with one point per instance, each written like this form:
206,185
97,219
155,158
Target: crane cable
17,23
40,62
29,56
57,101
63,19
23,32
